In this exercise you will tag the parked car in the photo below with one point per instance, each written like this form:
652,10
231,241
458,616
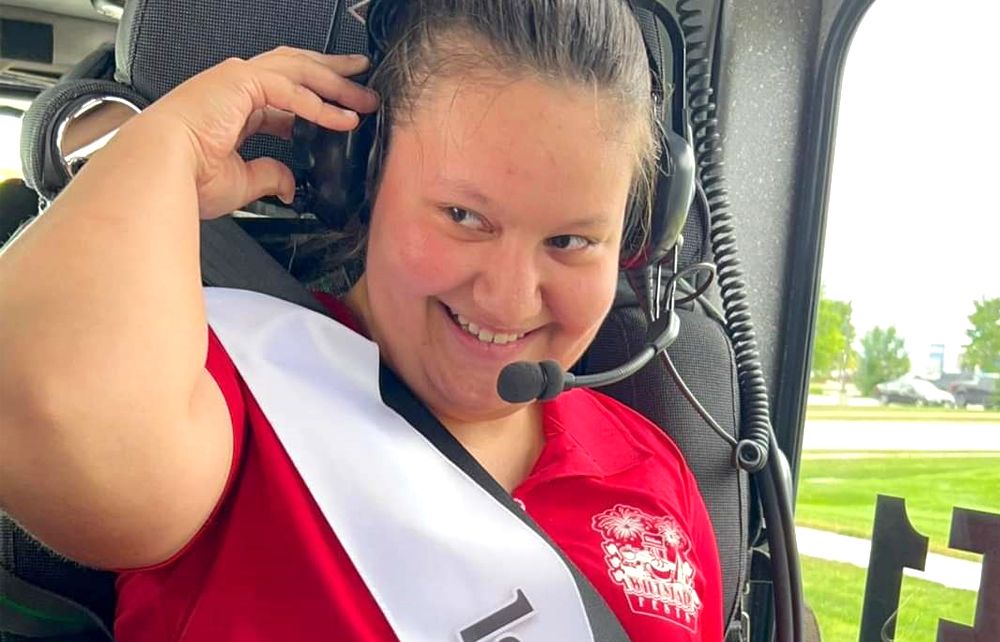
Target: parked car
910,390
945,381
983,390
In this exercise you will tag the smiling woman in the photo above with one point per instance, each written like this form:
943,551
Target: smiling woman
435,250
268,476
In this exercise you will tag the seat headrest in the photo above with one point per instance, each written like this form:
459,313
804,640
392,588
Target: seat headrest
40,157
161,43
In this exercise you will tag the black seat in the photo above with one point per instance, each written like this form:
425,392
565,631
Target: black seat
18,203
163,42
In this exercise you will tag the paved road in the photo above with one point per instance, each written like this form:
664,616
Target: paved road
949,571
902,435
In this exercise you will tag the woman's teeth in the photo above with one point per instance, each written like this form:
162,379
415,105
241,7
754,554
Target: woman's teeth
484,335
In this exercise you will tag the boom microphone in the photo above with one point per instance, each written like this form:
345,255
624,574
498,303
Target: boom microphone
524,381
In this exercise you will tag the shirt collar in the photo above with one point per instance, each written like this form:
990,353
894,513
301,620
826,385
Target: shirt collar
585,436
340,312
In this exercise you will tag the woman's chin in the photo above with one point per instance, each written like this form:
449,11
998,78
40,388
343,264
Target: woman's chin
467,398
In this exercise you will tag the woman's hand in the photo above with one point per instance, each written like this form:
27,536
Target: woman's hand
108,282
220,107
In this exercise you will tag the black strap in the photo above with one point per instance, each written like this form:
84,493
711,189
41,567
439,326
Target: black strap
33,612
231,258
397,395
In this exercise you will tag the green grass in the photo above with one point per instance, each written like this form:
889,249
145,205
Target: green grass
838,494
836,591
899,413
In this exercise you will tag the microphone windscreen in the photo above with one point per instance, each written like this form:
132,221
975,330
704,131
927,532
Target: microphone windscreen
553,379
520,382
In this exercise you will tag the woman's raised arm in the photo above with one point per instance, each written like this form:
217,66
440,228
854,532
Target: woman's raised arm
115,440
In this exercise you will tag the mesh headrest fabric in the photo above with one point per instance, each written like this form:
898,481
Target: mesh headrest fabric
162,43
42,170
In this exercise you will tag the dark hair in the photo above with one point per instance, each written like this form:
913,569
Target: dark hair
585,43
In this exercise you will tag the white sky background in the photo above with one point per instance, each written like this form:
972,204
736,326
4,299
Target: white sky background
913,232
913,227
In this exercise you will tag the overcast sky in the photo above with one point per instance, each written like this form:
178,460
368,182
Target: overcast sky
913,230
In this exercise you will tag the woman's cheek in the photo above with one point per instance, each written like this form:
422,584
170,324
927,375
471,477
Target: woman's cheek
427,262
581,302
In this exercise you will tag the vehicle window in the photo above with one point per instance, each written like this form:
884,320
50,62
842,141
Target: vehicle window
10,138
906,211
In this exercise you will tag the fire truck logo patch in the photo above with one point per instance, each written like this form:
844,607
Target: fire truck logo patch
649,557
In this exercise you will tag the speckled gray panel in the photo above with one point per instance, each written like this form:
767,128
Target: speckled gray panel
767,74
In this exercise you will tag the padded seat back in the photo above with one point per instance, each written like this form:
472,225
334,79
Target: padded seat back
163,42
704,358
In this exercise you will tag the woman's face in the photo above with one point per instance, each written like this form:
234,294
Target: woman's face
494,237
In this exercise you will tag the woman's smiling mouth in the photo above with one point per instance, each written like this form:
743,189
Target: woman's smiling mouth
483,334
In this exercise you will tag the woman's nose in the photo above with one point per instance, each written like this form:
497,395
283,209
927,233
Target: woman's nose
508,288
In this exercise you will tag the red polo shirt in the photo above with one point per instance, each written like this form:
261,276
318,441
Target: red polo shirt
610,489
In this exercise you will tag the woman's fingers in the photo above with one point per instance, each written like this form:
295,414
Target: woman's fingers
268,121
278,91
222,106
267,177
344,65
324,75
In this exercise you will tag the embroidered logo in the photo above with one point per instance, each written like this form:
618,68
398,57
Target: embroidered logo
649,557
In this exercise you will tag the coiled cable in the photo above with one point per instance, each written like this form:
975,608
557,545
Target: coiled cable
758,436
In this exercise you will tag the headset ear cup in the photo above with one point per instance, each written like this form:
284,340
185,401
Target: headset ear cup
672,194
633,244
672,197
674,184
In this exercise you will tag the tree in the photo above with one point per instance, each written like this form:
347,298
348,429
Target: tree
984,337
883,358
834,336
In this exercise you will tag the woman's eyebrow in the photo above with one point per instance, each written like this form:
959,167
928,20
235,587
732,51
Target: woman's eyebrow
469,190
593,221
466,189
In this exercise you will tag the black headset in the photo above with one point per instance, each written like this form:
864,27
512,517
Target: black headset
335,171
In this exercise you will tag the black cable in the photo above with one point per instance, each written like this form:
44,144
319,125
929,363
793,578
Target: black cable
780,472
672,369
752,452
706,219
772,481
713,312
691,294
697,269
781,556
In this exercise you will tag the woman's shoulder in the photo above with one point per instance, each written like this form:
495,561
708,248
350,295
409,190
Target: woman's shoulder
222,368
584,410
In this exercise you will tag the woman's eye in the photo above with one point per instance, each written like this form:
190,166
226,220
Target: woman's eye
465,218
569,242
